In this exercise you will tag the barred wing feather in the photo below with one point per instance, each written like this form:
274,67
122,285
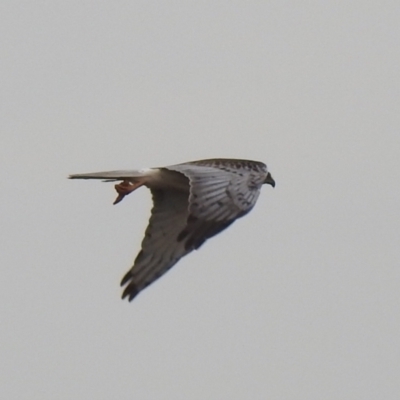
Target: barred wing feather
160,248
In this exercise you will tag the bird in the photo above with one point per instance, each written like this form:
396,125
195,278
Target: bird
192,202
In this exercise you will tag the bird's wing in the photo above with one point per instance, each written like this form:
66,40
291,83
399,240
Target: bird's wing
160,248
182,221
217,198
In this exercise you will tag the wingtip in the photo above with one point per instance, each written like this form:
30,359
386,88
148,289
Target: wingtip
126,278
131,291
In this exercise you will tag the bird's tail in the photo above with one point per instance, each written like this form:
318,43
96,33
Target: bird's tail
110,176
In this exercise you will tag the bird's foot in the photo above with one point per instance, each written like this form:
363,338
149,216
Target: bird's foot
124,188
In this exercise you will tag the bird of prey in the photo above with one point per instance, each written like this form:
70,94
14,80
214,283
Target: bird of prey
192,202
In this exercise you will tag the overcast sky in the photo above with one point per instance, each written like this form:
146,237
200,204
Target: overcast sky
299,299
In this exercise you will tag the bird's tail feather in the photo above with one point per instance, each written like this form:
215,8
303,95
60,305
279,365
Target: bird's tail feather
110,176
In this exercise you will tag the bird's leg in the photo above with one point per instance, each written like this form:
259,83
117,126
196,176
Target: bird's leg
124,188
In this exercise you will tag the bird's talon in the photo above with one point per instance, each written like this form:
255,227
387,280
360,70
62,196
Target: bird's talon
123,189
119,198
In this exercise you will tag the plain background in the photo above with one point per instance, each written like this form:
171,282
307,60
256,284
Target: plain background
300,299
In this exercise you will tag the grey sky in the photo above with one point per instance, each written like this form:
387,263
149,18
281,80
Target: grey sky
300,299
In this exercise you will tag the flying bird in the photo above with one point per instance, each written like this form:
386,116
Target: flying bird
192,202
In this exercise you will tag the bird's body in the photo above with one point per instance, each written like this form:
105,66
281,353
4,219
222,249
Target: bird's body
193,201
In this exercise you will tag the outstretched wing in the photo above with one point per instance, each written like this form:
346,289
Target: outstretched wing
160,248
182,221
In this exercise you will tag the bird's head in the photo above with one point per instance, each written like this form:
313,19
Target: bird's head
269,180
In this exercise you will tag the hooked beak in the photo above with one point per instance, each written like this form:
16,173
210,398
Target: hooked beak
270,180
